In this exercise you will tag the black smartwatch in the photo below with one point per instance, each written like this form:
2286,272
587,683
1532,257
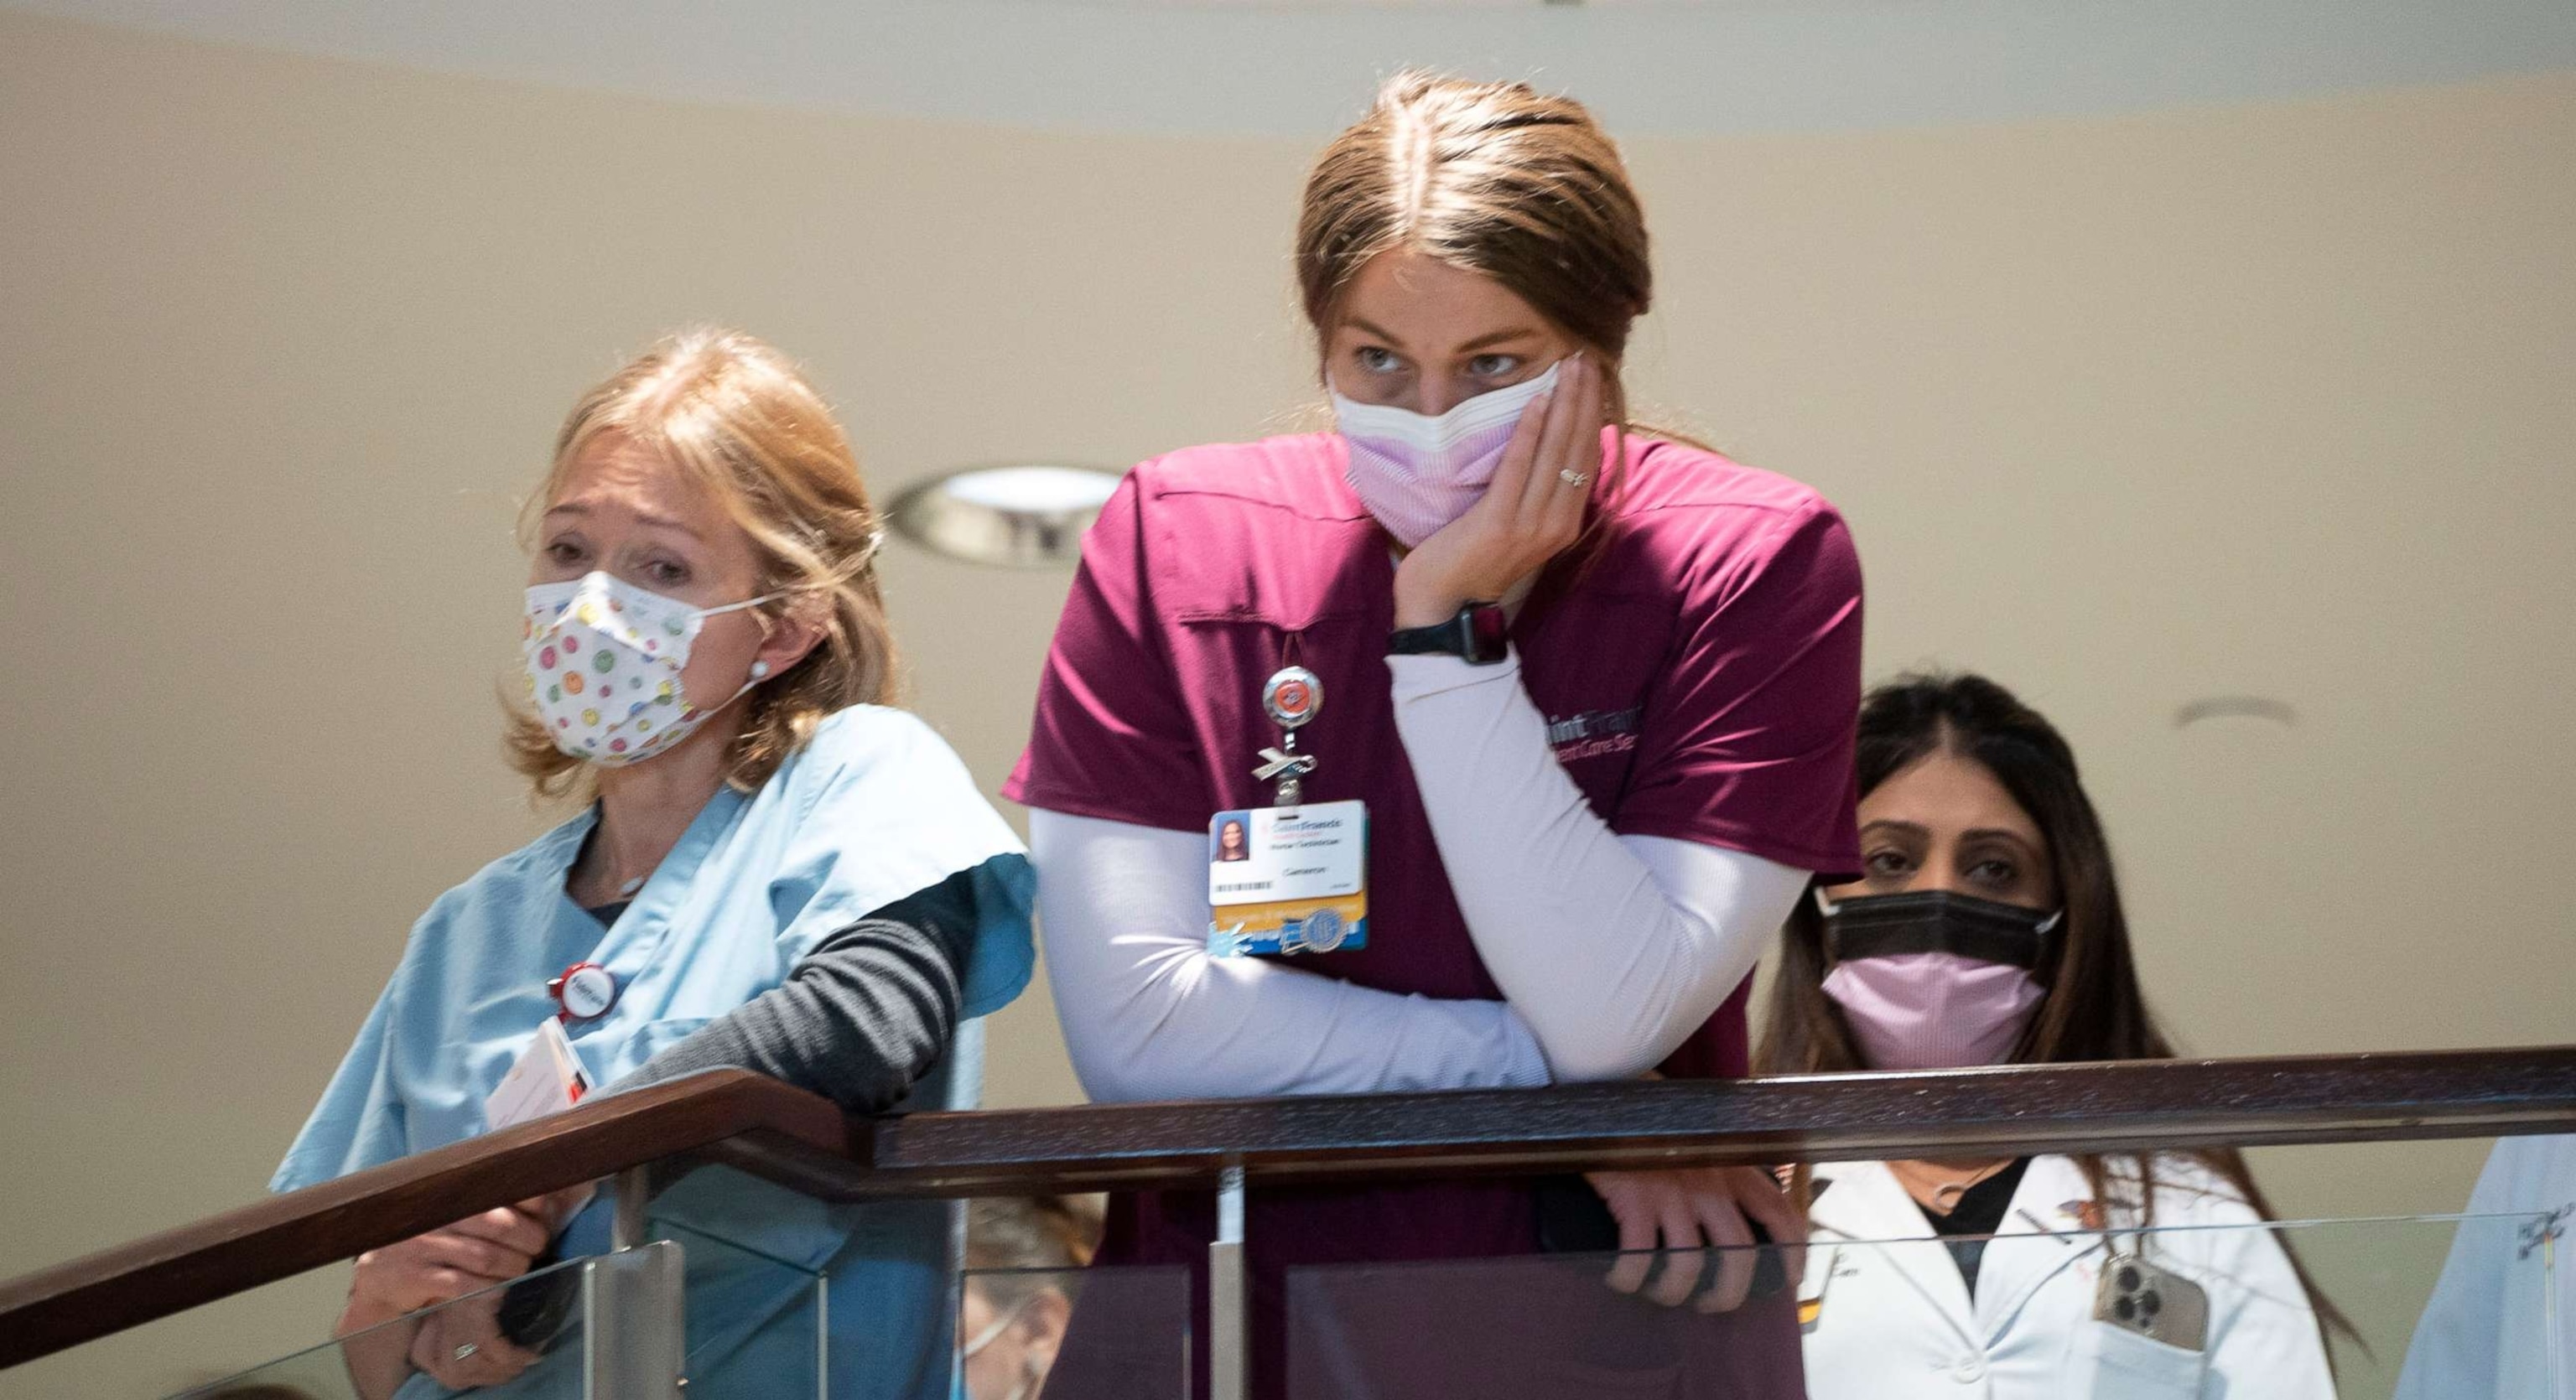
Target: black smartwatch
1475,635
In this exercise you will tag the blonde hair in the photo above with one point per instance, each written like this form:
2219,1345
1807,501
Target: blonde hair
738,419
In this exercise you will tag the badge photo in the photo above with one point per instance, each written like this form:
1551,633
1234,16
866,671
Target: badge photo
1288,879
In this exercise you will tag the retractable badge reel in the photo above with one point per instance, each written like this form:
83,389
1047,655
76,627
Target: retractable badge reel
1292,877
1291,696
584,992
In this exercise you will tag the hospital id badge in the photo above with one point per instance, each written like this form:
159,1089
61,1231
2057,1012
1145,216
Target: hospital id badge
547,1078
1288,879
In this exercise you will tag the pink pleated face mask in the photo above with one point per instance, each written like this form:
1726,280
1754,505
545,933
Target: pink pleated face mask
1935,980
1416,473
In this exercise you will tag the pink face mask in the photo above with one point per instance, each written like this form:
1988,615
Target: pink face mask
1934,980
1417,473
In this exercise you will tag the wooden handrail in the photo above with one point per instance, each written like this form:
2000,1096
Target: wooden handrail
2134,1106
285,1235
801,1141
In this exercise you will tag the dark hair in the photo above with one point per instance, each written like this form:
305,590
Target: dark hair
2094,1008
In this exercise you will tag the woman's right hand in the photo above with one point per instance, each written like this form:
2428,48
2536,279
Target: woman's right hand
446,1264
425,1271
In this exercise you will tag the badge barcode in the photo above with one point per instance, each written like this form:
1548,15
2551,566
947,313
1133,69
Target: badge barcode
1246,885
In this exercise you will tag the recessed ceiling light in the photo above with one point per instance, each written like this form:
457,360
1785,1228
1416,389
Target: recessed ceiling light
2209,707
1023,517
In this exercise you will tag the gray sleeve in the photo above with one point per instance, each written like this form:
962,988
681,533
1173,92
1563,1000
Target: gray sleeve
866,1013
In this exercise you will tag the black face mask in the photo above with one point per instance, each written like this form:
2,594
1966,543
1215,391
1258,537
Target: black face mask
1937,921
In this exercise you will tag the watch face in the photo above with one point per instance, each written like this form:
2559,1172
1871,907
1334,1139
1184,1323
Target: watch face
1485,637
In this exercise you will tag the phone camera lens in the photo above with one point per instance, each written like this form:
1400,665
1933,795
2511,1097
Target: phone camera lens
2126,1308
2149,1301
2128,1279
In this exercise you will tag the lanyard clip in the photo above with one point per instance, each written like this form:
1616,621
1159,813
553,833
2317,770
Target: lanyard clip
1290,768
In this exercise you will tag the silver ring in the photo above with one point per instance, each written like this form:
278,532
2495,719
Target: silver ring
464,1351
1571,477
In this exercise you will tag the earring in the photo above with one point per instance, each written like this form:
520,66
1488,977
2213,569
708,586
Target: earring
760,670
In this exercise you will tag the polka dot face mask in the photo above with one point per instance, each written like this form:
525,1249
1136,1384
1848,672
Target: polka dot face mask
603,661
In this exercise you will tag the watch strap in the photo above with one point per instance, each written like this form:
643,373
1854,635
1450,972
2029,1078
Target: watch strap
1475,635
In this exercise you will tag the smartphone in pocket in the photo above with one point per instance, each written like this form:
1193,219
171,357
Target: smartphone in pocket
2136,1296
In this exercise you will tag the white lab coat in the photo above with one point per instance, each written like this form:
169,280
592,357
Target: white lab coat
1894,1321
2488,1333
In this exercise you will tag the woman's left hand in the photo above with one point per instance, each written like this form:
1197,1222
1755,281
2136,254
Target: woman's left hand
1528,515
1700,1208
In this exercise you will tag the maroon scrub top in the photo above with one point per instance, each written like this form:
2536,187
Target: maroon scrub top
1698,665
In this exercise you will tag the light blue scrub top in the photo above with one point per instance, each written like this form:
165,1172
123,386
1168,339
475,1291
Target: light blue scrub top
874,808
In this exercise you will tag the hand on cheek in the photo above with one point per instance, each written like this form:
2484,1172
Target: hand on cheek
1531,512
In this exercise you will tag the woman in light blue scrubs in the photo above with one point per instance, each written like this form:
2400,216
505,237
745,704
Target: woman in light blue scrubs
774,871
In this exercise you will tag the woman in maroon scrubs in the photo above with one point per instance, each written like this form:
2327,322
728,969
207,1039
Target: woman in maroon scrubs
1595,687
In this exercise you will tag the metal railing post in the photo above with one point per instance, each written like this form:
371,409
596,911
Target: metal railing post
1229,1296
633,1337
626,1228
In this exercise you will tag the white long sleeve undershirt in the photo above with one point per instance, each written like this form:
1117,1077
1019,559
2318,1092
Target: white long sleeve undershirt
1612,949
1609,949
1148,1014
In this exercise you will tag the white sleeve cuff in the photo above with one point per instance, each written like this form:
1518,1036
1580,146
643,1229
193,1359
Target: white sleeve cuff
1421,677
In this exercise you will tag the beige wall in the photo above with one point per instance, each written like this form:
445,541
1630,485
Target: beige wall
2124,411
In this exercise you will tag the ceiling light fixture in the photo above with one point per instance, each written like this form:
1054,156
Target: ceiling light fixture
1029,517
2261,707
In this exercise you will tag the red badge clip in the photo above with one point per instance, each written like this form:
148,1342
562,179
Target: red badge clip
585,992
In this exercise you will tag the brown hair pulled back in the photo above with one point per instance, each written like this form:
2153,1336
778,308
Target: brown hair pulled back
1496,178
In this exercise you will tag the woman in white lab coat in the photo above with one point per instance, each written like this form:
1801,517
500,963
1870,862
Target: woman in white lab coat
1986,929
2485,1333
